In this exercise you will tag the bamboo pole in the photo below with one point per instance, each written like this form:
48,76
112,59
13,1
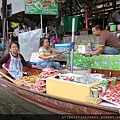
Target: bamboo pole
10,79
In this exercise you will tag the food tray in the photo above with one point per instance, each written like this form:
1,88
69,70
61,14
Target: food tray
115,103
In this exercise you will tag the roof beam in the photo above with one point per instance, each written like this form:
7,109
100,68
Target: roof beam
79,4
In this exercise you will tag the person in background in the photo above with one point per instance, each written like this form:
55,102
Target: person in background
107,27
16,32
25,27
38,26
12,62
45,55
109,17
53,29
116,17
108,42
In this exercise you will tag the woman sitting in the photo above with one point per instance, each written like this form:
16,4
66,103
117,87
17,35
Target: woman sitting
12,62
45,55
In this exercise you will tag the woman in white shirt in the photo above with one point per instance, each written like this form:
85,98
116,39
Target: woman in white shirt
25,27
16,32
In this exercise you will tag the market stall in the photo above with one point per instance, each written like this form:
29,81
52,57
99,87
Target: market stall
91,88
85,94
107,62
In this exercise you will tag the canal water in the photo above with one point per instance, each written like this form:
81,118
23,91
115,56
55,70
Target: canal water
11,104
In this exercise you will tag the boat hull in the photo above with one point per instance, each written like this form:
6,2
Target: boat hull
54,104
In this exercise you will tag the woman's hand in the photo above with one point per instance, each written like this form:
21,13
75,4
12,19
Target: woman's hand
33,66
66,50
53,56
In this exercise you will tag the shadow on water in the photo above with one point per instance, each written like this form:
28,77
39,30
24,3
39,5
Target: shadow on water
13,107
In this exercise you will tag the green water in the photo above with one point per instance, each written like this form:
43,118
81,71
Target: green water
13,107
11,104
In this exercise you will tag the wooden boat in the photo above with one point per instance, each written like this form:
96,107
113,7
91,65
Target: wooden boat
56,104
109,73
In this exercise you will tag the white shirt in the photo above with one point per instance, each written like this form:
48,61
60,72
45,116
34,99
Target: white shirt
17,31
27,29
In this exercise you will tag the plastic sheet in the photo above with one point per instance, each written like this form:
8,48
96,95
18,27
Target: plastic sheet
29,42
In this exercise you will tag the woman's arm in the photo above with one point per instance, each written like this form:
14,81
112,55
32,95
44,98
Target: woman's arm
24,62
4,59
58,51
14,35
47,57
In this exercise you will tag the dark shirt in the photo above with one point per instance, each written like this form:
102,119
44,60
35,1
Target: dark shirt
6,59
109,39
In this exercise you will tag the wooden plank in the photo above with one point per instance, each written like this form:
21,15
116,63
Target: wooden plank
109,73
10,79
32,71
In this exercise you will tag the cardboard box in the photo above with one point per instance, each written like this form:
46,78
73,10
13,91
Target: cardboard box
68,90
82,49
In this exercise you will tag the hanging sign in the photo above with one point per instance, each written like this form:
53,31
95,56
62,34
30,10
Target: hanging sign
45,7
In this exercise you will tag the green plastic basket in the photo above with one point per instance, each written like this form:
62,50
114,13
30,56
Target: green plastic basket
112,27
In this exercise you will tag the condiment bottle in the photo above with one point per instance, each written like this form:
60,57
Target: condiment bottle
104,85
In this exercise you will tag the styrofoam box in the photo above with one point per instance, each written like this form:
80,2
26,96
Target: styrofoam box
69,90
61,46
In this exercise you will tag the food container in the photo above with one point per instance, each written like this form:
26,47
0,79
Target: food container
69,90
62,46
93,100
112,27
118,27
118,80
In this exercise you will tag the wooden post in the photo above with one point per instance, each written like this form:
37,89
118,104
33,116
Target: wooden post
71,7
114,4
4,14
58,19
65,9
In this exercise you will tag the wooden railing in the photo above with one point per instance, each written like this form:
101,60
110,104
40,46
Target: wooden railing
108,73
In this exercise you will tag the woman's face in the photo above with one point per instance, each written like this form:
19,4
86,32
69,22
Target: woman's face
24,26
14,49
20,27
46,43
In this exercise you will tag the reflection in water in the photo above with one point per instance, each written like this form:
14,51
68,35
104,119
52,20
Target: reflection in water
11,104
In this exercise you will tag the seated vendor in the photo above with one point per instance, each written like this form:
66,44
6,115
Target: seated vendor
108,42
45,55
12,62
